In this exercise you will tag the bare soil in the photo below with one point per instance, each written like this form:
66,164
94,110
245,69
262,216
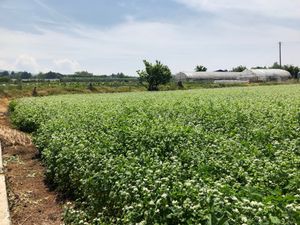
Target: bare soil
30,200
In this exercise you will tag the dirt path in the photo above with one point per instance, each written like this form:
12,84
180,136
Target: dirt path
30,201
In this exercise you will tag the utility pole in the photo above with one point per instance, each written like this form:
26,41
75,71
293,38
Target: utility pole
280,44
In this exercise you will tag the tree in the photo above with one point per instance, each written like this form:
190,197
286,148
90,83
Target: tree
14,75
155,75
200,68
221,70
25,75
20,75
259,67
275,66
83,74
4,73
40,75
239,68
119,75
294,70
52,75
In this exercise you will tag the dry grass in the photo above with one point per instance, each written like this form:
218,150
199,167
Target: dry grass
6,132
14,137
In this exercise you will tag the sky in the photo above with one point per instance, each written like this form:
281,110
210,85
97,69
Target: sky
111,36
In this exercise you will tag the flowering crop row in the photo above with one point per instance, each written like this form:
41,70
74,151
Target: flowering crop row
226,156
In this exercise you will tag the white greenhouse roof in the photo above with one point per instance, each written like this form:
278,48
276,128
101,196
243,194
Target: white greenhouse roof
211,75
267,72
246,74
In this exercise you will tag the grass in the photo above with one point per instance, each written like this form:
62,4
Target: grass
18,90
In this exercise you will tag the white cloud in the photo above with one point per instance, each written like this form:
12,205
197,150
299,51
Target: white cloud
122,48
4,65
67,66
21,63
272,8
29,63
26,63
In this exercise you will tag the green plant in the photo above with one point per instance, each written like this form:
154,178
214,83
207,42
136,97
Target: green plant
239,69
155,75
222,156
200,68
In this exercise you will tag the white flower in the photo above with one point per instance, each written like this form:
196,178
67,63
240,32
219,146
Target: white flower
234,198
244,219
141,223
188,183
164,195
235,210
151,202
174,202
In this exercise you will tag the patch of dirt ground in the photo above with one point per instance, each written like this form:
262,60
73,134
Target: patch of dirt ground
30,201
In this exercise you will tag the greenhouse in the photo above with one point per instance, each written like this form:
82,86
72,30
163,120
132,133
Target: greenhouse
248,75
257,75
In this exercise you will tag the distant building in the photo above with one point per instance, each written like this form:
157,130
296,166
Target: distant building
248,75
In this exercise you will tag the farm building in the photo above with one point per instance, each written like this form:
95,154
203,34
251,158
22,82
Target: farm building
248,75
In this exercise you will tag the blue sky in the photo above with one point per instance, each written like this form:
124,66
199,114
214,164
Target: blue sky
110,36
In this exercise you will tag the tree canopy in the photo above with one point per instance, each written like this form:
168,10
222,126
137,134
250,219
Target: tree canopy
83,74
294,70
200,68
275,66
155,75
49,75
239,68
